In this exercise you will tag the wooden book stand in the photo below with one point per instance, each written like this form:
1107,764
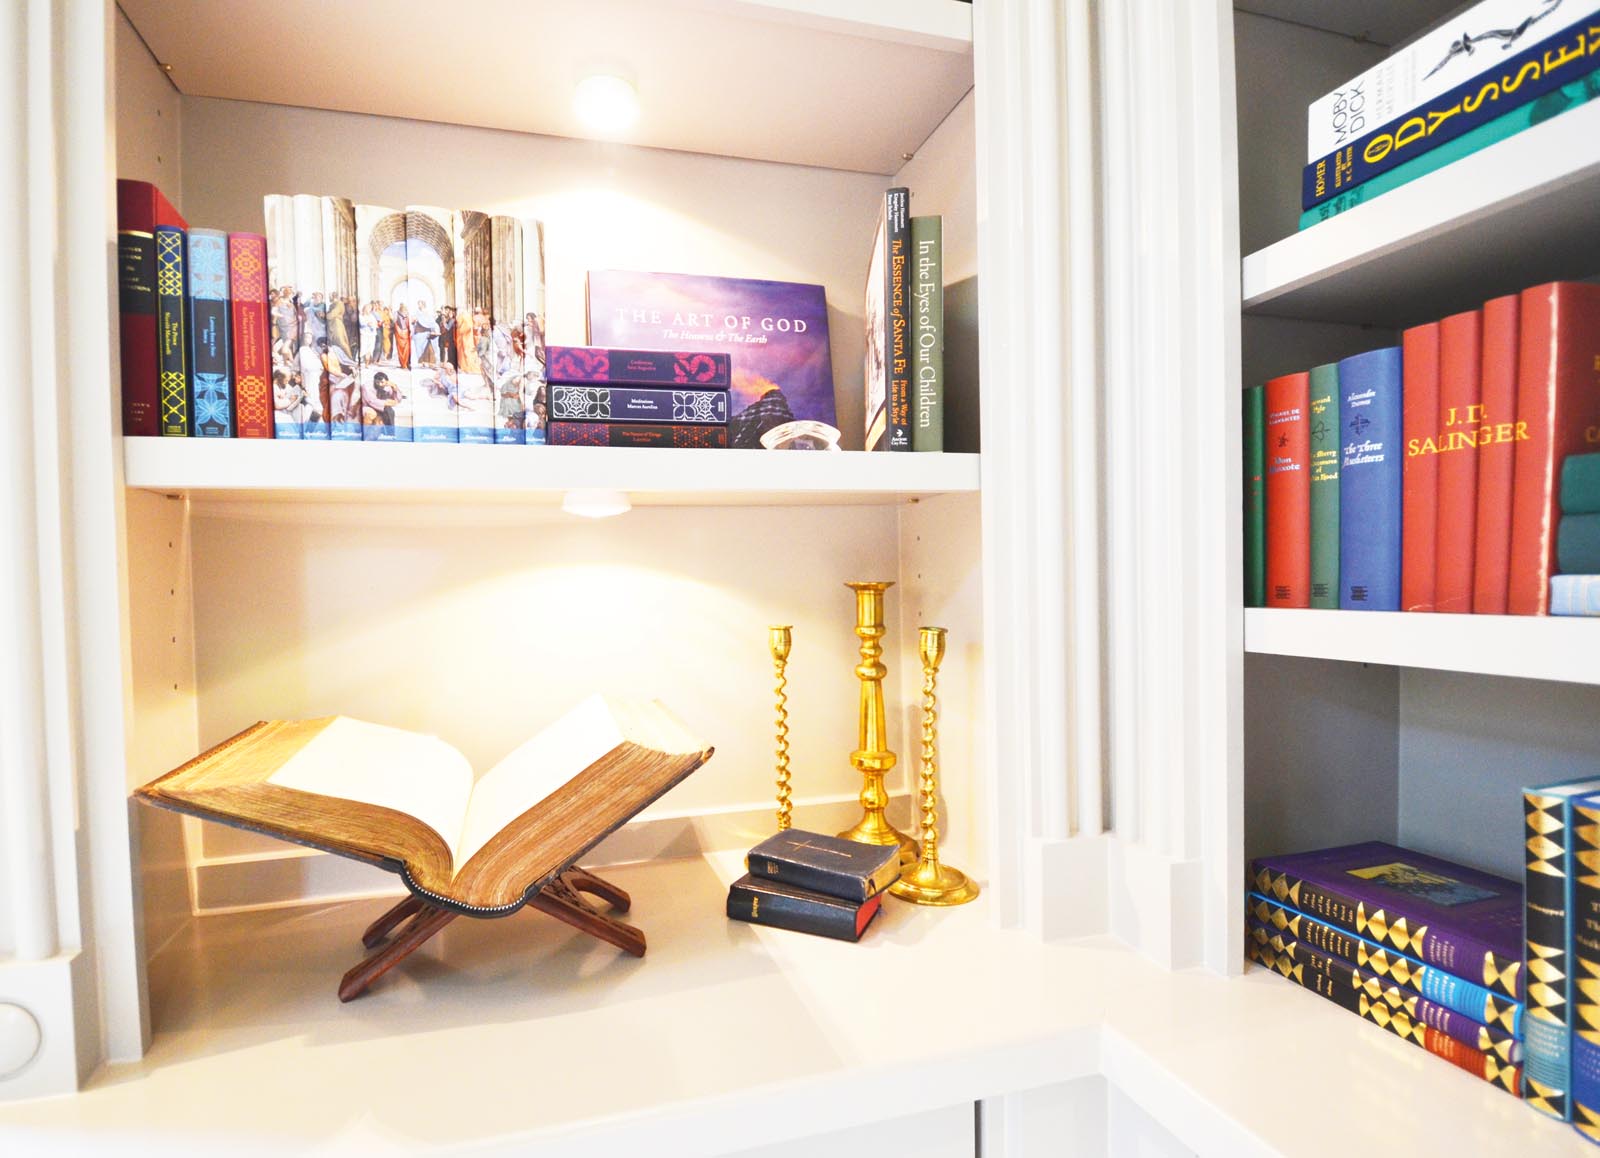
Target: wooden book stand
562,899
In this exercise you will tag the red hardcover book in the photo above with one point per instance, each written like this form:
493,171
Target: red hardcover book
1419,495
1288,427
1497,442
1558,398
140,208
1460,430
252,372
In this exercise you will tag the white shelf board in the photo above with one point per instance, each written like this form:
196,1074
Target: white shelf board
327,472
1560,648
843,84
1523,211
520,1035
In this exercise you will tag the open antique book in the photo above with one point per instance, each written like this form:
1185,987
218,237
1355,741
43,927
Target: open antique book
410,803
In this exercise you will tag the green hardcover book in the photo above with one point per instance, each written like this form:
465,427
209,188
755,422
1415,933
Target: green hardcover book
927,339
1580,485
1578,545
1568,96
1325,486
1255,498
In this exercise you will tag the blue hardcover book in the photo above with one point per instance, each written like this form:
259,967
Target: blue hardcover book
1569,55
1547,817
637,404
1583,955
1575,595
1370,428
1500,1014
172,329
211,404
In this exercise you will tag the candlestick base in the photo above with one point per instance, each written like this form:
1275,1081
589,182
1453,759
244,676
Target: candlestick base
874,829
932,883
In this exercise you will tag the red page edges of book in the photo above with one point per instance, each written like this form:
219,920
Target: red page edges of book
868,910
1461,433
1496,458
1288,439
1419,502
1558,399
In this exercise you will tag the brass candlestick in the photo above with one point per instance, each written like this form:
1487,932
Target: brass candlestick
928,882
872,759
778,639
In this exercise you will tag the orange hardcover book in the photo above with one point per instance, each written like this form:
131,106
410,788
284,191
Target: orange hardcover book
1419,501
1288,427
1496,454
1558,399
1460,432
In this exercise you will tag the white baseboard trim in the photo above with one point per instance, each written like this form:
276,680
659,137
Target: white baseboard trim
1071,899
1154,903
66,1035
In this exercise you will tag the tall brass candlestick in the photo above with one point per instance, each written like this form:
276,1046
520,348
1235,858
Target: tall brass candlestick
872,759
928,882
778,639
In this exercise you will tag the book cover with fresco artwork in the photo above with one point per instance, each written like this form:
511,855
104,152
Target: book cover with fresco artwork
776,333
340,318
466,333
430,298
382,284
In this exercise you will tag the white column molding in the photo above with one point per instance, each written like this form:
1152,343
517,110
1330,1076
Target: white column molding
1041,484
1172,364
62,780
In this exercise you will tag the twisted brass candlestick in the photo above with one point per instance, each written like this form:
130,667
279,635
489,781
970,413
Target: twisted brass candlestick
778,639
928,882
872,759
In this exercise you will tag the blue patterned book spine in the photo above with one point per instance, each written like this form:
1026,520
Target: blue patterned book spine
211,403
637,404
1508,84
172,329
1370,427
1575,595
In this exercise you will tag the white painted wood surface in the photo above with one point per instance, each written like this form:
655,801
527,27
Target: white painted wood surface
854,86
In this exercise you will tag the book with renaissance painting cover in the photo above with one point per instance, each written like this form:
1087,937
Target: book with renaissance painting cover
410,803
775,332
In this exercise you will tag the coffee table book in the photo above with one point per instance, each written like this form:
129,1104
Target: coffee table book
480,846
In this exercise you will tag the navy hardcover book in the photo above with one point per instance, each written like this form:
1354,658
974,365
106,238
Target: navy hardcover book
1370,481
826,864
786,907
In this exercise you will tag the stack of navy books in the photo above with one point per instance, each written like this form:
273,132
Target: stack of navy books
813,883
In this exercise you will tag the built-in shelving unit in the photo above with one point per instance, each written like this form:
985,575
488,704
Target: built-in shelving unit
315,472
1522,211
1523,647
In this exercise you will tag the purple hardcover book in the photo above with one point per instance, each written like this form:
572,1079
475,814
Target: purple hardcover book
775,332
570,403
1466,922
582,364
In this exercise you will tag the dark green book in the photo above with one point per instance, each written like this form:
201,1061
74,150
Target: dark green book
927,333
1255,498
1325,486
1578,545
1580,484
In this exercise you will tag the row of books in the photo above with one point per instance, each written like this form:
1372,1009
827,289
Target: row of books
1484,75
812,883
1429,950
904,318
601,397
1491,506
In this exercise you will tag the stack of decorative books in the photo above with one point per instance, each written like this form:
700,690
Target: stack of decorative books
813,883
601,397
1427,949
1482,76
1455,472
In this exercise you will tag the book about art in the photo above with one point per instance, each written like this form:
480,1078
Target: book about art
467,329
776,334
535,400
503,357
311,303
430,295
291,408
340,319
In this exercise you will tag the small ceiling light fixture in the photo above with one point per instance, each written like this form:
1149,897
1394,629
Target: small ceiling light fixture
595,504
606,104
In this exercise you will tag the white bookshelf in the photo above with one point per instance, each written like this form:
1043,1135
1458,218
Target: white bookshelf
322,472
856,86
1565,650
1524,210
